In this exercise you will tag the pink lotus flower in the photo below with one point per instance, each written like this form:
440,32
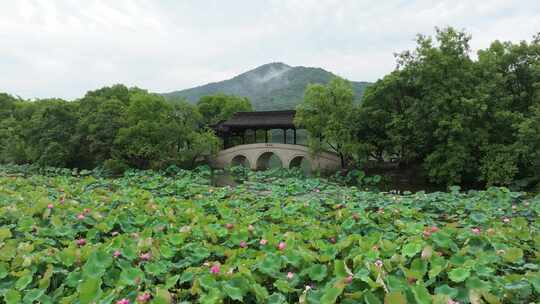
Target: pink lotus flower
263,242
349,279
332,240
378,263
117,253
145,256
81,217
317,190
215,269
50,206
243,244
434,229
122,301
290,275
251,228
229,226
506,220
145,297
476,231
282,246
450,301
426,233
81,242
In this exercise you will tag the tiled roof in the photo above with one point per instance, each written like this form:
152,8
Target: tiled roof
261,119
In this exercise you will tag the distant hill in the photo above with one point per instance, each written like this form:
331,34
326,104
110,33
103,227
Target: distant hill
273,86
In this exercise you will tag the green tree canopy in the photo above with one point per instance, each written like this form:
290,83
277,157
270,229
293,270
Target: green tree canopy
327,113
457,117
220,107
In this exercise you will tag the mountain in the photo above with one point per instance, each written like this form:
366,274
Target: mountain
273,86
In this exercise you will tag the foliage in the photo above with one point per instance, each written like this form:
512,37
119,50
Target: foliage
112,127
81,238
465,120
327,113
218,108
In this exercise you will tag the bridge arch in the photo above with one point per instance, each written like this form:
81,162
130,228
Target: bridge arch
264,159
297,160
240,160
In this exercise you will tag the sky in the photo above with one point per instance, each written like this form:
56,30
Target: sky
62,49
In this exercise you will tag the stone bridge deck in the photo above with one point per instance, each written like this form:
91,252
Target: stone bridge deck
257,157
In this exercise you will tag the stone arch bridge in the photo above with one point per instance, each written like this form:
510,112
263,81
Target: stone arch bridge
257,157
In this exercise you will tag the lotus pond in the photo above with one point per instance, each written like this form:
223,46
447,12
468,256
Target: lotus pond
151,237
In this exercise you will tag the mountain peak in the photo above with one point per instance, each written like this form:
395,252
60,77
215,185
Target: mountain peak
272,86
266,72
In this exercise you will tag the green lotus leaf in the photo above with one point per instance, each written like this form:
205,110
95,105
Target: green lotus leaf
513,255
459,274
276,298
283,286
170,282
447,290
340,269
370,298
3,270
89,290
186,277
214,296
395,298
330,295
418,268
260,292
478,217
12,296
534,279
421,294
131,276
23,281
411,249
317,272
5,233
208,282
270,265
33,295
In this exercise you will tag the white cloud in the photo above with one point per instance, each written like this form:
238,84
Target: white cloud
64,48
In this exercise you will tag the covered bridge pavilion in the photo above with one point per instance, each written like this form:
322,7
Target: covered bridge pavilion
241,148
238,126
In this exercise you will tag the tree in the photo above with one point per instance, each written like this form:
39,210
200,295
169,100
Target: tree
100,119
327,113
49,137
386,130
157,133
220,107
149,136
457,117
